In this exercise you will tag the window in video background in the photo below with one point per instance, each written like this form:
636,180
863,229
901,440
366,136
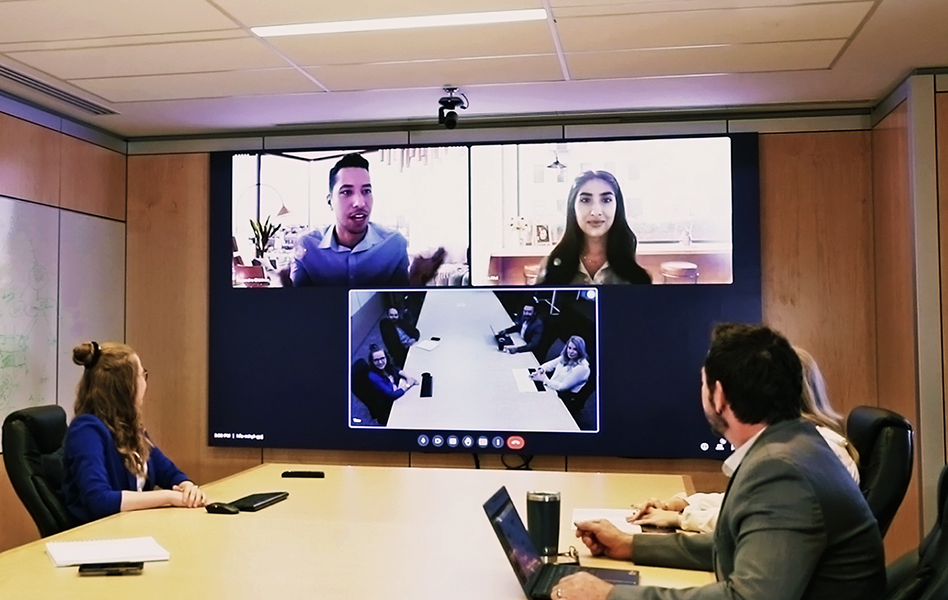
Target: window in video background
677,195
422,193
479,352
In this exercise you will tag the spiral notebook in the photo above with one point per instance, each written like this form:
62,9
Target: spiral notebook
140,549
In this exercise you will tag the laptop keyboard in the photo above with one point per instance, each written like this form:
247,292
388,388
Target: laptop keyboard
549,576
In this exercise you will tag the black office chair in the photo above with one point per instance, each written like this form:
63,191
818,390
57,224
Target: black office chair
576,401
922,574
884,441
556,348
32,453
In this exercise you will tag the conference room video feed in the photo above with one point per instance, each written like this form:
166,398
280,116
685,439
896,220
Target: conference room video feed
656,211
394,217
474,359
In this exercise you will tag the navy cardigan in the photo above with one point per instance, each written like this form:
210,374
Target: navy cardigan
95,475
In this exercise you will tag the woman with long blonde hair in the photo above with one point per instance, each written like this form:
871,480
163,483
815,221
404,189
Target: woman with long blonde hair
110,463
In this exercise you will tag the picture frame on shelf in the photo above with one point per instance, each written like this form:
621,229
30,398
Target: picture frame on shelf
541,234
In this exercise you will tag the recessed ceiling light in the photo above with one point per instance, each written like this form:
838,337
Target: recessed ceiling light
481,18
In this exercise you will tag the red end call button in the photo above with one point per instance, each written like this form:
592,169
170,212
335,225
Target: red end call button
515,442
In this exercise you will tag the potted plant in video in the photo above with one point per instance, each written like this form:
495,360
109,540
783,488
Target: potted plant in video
262,233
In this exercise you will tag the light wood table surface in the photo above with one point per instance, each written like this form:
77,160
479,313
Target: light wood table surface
360,533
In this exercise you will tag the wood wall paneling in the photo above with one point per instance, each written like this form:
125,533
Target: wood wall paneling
16,525
896,339
817,254
29,161
705,474
941,145
337,457
485,461
167,310
93,179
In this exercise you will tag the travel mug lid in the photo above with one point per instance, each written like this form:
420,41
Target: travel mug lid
543,496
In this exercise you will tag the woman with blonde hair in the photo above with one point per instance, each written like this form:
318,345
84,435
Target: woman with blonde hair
699,512
110,463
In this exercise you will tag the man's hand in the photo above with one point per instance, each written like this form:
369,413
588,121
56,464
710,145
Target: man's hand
422,269
603,539
581,586
510,349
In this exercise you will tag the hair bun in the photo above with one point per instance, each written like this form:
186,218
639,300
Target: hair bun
86,354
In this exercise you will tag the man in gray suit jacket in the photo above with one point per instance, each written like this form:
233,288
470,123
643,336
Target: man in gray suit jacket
793,525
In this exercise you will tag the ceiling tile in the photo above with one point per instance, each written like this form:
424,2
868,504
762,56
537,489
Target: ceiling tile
418,44
124,40
750,25
254,13
573,8
780,56
153,59
198,85
439,73
46,20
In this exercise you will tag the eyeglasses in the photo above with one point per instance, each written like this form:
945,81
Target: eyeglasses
145,374
379,359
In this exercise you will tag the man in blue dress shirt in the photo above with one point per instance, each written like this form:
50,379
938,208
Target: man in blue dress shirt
354,251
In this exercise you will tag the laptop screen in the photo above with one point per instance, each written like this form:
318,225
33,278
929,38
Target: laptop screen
513,536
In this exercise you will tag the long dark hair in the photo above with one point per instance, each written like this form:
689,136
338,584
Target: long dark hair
563,262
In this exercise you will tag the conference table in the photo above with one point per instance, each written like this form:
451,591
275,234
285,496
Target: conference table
474,385
359,533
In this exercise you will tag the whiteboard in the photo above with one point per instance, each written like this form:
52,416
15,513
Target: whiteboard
91,291
29,270
62,281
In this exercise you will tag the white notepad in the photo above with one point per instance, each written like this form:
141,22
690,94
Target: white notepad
427,344
616,516
524,383
144,549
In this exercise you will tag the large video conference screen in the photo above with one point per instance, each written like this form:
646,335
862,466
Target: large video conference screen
532,298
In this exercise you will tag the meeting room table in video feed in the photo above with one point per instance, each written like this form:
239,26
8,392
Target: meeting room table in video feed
475,386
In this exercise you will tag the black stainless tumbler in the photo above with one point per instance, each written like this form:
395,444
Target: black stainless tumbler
543,521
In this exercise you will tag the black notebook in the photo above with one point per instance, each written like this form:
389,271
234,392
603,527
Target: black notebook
255,502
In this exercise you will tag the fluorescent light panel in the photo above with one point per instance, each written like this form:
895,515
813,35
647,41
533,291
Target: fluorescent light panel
481,18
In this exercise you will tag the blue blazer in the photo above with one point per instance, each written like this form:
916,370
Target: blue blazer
95,475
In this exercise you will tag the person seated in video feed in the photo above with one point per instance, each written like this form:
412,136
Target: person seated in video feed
355,251
598,246
398,335
570,370
389,383
530,328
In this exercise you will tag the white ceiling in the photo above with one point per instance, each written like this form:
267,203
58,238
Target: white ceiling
188,67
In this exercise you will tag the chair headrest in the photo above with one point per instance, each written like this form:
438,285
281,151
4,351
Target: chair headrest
47,425
866,422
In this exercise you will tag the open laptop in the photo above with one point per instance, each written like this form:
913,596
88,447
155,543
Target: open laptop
536,577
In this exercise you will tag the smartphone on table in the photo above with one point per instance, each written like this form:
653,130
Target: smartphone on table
112,568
